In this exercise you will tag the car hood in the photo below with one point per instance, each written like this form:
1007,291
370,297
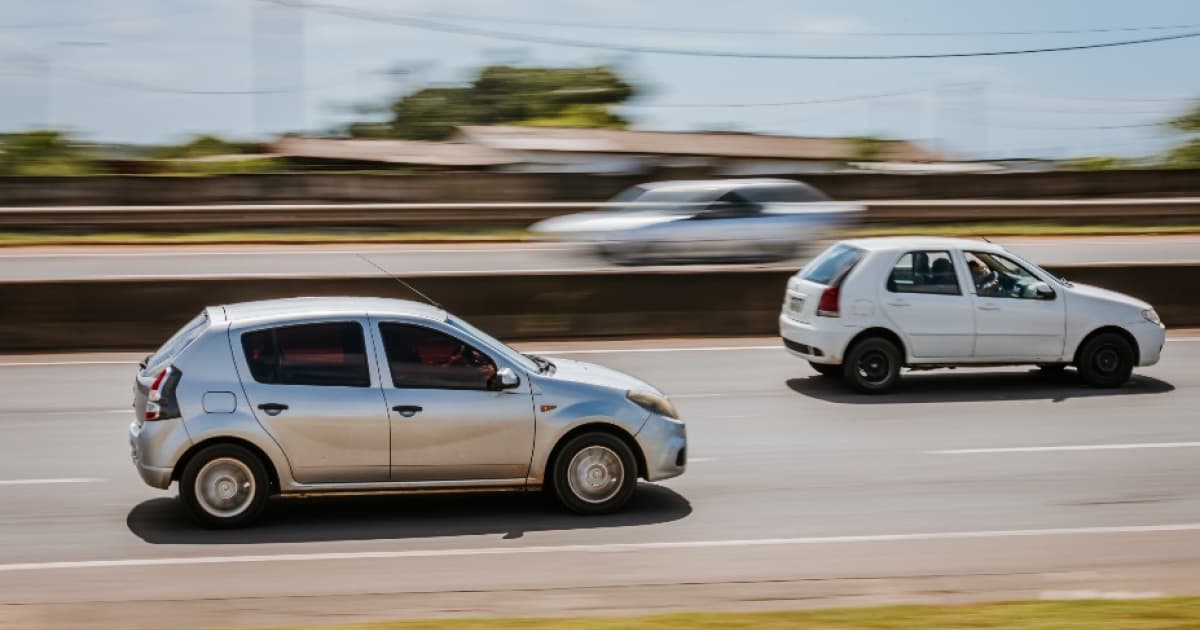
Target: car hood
585,222
592,374
1097,293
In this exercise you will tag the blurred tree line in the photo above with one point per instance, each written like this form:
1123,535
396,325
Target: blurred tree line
562,97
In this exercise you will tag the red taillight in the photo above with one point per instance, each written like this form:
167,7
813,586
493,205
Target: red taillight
160,399
156,386
830,303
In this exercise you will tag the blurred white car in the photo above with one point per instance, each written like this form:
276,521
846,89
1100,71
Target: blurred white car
868,307
717,220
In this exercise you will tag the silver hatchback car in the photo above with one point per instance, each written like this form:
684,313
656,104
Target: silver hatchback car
310,396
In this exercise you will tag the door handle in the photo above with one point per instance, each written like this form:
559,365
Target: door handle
273,409
407,411
898,304
989,307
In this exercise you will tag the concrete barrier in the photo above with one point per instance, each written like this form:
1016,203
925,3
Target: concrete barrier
73,316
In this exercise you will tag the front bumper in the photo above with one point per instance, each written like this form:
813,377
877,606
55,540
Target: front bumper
1150,339
664,444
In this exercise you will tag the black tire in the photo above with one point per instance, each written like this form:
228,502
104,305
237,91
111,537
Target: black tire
222,465
1106,360
827,369
872,366
610,494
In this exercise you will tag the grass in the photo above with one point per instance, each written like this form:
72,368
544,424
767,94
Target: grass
1147,614
21,238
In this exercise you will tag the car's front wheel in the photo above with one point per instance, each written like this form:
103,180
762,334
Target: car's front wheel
827,369
224,485
1106,360
595,473
873,365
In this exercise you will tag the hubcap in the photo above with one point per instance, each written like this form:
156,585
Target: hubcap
225,487
874,367
1107,360
596,474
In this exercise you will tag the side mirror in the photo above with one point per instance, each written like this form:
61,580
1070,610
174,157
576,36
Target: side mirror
1043,291
505,378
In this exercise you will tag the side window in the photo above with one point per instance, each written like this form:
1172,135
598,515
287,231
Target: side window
731,205
330,354
1000,277
420,357
924,272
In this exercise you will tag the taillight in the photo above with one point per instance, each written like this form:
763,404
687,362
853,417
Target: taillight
830,303
160,400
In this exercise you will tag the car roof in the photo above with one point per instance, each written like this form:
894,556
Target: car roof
707,184
287,308
888,243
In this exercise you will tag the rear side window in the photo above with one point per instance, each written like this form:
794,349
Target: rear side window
423,358
832,265
785,193
924,272
179,340
329,354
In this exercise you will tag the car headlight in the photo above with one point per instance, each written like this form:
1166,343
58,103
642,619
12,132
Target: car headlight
1152,316
653,403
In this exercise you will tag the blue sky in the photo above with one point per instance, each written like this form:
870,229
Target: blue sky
106,57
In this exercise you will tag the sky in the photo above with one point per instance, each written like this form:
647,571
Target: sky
156,71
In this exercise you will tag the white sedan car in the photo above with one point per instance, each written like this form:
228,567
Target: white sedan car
865,308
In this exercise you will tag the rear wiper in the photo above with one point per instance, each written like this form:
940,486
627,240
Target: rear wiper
142,365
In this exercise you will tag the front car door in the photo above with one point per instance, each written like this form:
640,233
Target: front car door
448,423
1013,321
926,304
311,387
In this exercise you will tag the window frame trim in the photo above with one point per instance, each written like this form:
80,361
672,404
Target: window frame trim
385,365
949,254
1019,265
240,332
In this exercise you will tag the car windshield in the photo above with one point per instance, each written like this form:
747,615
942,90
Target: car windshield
526,362
831,265
680,200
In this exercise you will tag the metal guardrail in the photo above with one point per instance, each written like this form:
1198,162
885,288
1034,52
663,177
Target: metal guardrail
520,214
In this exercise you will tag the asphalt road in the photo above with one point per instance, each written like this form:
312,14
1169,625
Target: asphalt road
50,263
798,494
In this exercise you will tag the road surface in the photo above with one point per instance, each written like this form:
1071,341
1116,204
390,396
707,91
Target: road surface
53,263
964,485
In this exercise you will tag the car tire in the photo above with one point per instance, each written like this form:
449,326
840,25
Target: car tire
872,366
595,473
224,486
827,369
1106,360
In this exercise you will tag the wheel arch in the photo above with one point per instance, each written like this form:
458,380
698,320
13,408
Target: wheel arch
1128,336
877,331
599,427
272,473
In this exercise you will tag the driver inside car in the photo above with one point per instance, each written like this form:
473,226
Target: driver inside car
987,282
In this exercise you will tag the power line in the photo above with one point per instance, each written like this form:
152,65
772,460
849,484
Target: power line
431,25
793,31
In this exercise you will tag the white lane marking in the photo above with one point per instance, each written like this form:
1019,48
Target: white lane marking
597,548
681,349
1076,447
80,412
701,460
37,482
54,363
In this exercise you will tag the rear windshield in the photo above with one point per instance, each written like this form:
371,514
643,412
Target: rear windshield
179,340
830,266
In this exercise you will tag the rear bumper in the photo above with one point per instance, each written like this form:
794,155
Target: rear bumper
153,444
818,344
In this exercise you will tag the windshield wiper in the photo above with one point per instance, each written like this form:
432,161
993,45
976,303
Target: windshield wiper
544,365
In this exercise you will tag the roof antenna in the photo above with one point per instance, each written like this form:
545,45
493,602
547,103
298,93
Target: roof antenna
986,239
401,281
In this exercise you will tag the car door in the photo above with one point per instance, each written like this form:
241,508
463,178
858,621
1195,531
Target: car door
447,422
1013,322
730,225
923,300
310,386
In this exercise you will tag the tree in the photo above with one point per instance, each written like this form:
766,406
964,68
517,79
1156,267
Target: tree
571,97
1186,155
43,153
200,146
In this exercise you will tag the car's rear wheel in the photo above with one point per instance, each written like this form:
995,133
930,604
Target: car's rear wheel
827,369
595,473
872,366
224,485
1106,360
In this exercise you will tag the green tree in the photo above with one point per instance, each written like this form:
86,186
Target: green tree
43,153
572,97
868,148
200,146
1186,155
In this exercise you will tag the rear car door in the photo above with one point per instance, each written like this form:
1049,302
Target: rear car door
311,386
1014,322
447,422
926,305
